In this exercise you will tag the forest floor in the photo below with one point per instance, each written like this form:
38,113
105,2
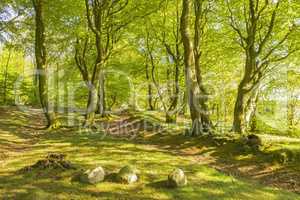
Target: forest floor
217,168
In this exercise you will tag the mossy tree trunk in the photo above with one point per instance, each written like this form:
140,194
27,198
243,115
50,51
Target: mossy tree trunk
193,75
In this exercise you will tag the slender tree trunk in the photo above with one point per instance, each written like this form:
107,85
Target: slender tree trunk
171,114
184,104
174,88
6,78
200,18
150,94
92,103
291,111
154,81
41,59
102,101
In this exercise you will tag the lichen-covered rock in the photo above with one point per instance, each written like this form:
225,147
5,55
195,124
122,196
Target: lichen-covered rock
177,178
127,175
93,176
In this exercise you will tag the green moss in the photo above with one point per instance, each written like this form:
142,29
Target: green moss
155,164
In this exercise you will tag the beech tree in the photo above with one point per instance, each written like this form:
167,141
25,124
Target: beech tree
102,21
196,93
263,32
41,64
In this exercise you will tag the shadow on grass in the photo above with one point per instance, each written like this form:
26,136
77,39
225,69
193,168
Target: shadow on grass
159,153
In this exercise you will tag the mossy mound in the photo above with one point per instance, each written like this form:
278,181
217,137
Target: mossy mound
52,161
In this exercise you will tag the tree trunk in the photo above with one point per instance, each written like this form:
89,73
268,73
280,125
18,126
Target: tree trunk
183,108
41,59
92,103
171,114
203,99
189,63
291,111
200,19
6,78
101,100
250,113
150,95
174,88
239,108
246,85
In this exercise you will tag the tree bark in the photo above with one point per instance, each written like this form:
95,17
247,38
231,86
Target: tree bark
41,60
150,97
96,26
101,96
174,52
6,77
251,107
192,54
259,49
189,64
200,15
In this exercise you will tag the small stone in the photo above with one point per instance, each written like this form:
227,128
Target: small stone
177,178
93,176
127,175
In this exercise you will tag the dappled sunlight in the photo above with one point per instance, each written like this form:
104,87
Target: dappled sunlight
154,158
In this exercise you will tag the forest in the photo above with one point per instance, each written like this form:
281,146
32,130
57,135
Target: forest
155,100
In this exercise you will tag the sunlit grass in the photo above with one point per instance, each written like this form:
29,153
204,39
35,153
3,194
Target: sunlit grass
154,157
153,165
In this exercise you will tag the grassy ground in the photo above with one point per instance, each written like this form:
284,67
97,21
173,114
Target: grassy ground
21,146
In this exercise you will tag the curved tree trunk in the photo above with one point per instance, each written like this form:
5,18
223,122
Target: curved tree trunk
189,64
200,20
194,84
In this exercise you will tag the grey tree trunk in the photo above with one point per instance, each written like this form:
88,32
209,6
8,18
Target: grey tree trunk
190,82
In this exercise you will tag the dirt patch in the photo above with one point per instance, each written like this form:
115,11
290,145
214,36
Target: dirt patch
52,161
